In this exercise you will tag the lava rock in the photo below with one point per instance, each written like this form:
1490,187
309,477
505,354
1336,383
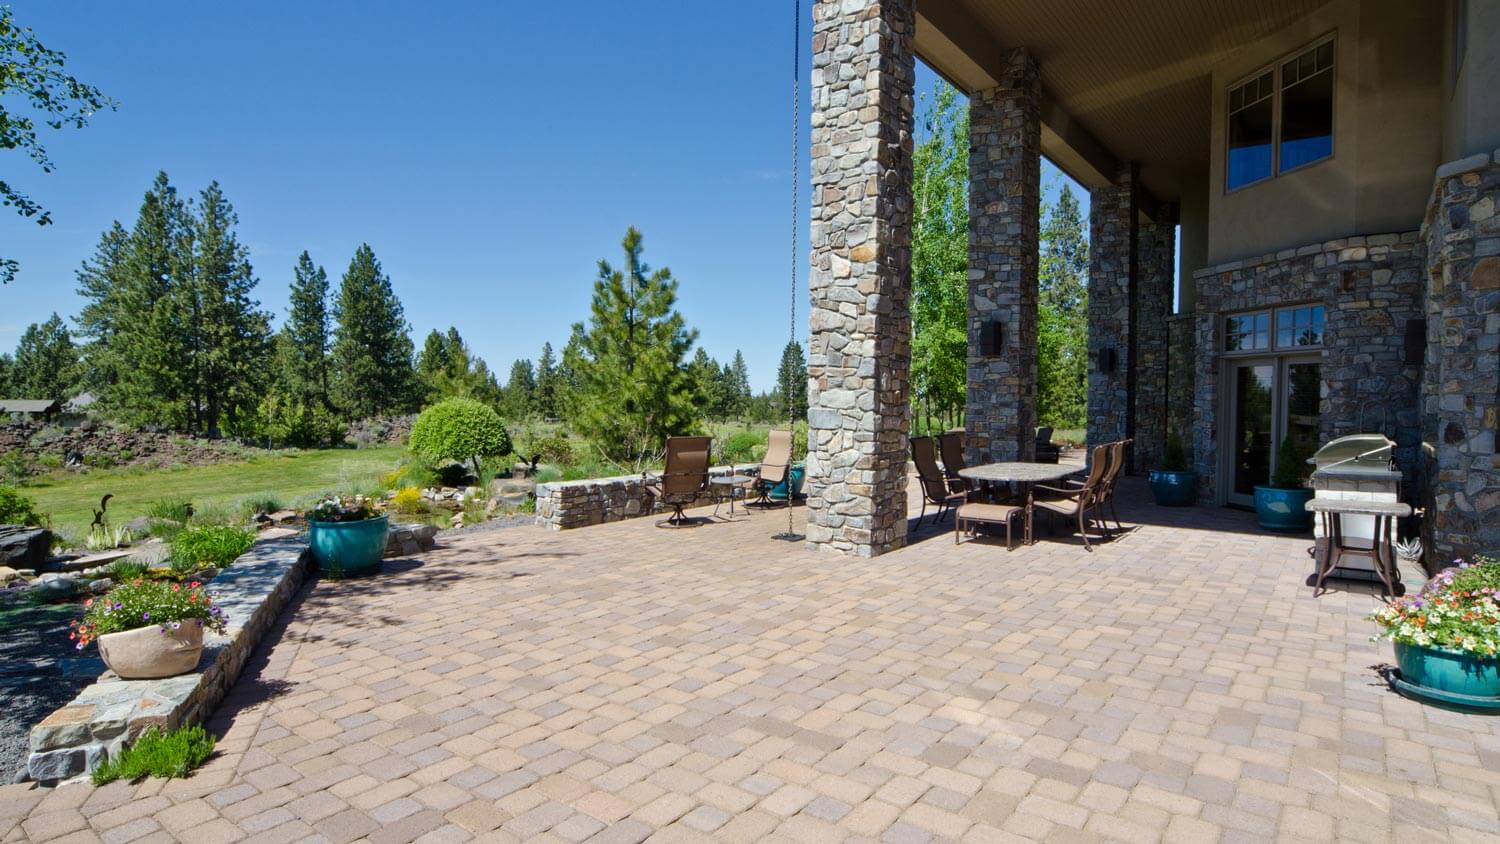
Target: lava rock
24,547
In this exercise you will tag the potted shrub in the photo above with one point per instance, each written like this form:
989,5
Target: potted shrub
1283,504
147,629
1173,484
1447,638
347,536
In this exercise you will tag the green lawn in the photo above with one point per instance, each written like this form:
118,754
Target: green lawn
71,498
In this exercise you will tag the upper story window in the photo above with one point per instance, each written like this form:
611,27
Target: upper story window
1282,117
1297,327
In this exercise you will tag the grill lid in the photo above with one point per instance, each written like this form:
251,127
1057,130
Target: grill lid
1355,454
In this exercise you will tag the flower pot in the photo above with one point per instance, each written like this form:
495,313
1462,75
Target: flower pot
796,473
349,548
1283,509
149,653
1174,489
1453,672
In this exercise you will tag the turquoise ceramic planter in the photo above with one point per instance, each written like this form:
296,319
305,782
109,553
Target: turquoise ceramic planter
349,548
1174,489
1283,509
1449,671
796,475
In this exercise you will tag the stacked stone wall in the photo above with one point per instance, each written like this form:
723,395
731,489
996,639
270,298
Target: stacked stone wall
1181,355
566,505
1153,308
1112,244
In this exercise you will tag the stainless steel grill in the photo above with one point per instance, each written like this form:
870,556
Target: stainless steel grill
1356,456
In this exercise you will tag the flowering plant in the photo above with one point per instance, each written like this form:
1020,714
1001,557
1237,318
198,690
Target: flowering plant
343,509
1459,610
142,603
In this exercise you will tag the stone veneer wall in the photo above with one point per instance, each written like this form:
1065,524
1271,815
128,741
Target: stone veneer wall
1369,287
112,712
1181,354
1112,250
565,505
1004,194
859,354
1156,251
1461,390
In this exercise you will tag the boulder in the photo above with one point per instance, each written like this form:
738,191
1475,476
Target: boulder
24,547
54,588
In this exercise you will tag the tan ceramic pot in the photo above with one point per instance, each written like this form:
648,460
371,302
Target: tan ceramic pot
148,653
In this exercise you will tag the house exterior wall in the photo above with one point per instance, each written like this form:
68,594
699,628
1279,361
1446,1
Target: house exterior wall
1471,65
1369,288
1387,135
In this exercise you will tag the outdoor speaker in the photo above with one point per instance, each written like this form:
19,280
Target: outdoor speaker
992,338
1416,342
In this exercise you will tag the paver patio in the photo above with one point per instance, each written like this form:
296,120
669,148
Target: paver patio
620,682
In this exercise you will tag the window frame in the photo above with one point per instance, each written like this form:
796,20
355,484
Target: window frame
1273,348
1274,68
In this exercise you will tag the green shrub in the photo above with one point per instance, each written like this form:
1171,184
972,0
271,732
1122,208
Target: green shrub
1291,466
124,571
17,509
745,447
15,467
174,509
1174,456
216,546
554,449
288,422
408,499
254,505
460,429
158,754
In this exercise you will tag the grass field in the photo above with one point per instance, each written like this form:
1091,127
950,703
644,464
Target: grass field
71,498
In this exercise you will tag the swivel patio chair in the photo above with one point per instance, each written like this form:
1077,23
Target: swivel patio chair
1076,503
934,486
951,446
775,468
1046,450
684,478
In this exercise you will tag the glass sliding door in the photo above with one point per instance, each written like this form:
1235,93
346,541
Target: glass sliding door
1271,400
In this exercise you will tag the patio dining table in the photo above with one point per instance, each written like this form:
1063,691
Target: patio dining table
1021,473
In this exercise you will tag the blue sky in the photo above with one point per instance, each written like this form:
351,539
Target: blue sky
490,153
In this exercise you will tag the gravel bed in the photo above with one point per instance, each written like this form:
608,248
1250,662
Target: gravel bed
40,670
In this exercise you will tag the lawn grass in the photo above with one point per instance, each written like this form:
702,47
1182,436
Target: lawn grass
70,498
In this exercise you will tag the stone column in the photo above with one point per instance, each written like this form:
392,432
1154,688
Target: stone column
860,350
1151,330
1112,265
1461,389
1004,192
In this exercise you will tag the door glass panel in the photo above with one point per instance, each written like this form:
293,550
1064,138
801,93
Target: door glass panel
1304,395
1252,426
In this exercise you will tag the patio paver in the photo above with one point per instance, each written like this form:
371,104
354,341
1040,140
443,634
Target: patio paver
622,682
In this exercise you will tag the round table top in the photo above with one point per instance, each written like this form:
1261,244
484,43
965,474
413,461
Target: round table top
1017,472
732,480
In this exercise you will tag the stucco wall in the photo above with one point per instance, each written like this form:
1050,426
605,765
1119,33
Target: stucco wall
1387,133
1471,113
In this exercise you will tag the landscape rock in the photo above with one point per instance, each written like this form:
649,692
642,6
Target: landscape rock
54,588
7,574
100,586
24,547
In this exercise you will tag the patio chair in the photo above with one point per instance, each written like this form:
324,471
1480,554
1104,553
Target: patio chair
684,478
1076,503
934,486
1046,450
1107,487
774,468
951,447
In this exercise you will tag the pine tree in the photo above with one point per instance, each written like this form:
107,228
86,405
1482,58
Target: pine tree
46,362
229,337
791,383
633,390
433,365
1062,315
102,282
707,383
7,374
739,384
518,400
372,350
306,371
546,383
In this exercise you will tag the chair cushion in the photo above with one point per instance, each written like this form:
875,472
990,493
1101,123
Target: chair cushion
987,512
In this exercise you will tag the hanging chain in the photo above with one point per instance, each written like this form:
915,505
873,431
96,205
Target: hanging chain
791,406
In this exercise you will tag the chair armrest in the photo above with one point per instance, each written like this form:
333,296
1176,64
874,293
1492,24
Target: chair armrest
1065,493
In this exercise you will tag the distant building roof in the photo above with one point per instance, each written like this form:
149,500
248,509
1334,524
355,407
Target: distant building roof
82,401
30,405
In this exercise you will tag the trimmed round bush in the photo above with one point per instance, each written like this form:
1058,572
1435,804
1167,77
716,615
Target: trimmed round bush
460,429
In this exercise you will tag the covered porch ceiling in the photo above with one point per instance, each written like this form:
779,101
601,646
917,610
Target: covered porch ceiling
1122,81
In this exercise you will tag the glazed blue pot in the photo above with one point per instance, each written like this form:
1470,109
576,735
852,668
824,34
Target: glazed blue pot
796,474
349,548
1174,489
1449,671
1283,509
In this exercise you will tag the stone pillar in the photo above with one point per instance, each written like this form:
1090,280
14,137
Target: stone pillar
1112,265
1151,332
860,349
1004,192
1461,389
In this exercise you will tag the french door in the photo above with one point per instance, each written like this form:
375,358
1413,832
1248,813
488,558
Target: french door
1270,399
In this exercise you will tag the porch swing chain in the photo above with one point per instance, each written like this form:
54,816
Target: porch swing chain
791,410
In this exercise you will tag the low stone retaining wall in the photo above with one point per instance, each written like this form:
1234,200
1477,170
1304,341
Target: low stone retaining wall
564,505
113,712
